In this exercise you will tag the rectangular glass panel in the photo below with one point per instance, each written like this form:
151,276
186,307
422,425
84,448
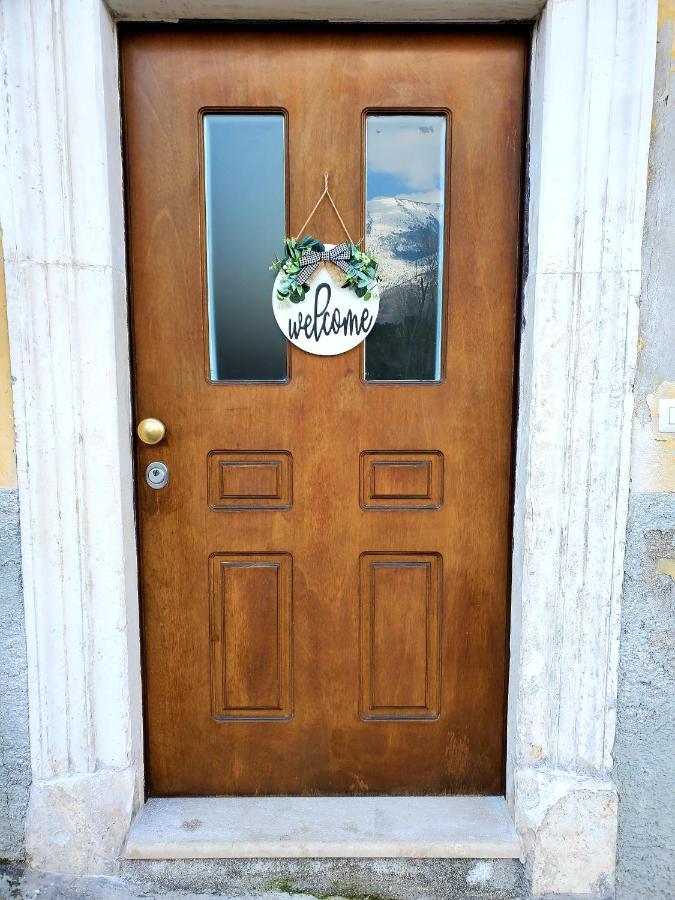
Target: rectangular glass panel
245,190
405,215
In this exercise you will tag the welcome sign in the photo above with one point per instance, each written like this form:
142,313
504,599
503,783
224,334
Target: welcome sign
330,319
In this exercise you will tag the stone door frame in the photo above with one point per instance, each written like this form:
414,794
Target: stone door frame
61,207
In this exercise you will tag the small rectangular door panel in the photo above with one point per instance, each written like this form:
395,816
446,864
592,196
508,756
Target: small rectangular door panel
325,576
249,480
405,480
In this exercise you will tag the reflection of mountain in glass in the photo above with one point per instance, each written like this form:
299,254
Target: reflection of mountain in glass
405,236
405,181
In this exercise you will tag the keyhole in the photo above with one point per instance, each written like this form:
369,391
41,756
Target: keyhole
156,475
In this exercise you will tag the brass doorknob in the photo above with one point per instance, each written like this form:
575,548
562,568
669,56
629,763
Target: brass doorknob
151,431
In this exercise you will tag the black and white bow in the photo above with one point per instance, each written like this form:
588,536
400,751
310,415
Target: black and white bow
340,255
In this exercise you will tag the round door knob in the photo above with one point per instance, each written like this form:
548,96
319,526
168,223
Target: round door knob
151,431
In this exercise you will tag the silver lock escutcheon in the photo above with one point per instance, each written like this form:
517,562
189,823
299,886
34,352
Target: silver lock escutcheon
157,476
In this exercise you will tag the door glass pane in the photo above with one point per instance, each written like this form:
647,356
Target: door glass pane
405,214
245,189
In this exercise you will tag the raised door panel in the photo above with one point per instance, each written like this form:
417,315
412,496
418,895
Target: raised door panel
251,636
400,640
249,480
401,479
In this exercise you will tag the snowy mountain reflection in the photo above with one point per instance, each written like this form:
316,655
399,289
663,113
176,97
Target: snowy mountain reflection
405,181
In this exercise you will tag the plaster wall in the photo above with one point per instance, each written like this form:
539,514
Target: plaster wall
14,746
7,452
645,738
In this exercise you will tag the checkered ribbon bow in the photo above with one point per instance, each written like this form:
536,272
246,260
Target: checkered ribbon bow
340,255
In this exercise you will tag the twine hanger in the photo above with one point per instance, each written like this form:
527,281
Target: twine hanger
326,193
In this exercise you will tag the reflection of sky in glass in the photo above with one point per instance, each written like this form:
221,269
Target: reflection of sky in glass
405,192
405,157
245,189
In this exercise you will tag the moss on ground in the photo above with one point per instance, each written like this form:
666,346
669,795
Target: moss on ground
337,891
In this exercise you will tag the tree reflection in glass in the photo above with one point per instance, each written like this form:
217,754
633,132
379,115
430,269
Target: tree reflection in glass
405,202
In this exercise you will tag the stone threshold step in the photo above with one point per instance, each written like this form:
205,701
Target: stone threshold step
278,827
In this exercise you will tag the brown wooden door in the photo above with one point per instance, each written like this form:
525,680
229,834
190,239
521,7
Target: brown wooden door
325,579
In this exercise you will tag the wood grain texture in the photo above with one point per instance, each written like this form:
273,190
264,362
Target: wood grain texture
400,618
251,597
326,416
249,480
400,480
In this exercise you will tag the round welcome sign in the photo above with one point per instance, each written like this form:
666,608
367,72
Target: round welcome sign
325,297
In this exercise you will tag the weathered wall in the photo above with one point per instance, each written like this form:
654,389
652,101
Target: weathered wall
14,748
645,741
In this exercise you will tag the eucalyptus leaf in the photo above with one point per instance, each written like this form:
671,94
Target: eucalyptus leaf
361,276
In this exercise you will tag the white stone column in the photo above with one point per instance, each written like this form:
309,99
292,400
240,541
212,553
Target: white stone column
62,219
593,64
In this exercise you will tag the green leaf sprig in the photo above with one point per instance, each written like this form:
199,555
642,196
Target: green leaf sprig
289,289
362,275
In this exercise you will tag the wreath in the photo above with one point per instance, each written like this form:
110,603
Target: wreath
301,259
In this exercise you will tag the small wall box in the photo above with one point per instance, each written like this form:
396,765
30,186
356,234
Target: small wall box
667,416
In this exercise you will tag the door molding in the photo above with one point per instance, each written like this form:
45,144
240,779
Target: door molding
591,84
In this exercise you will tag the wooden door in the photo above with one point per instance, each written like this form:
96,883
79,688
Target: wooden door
325,578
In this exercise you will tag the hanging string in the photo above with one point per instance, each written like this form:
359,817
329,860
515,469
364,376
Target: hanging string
326,193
